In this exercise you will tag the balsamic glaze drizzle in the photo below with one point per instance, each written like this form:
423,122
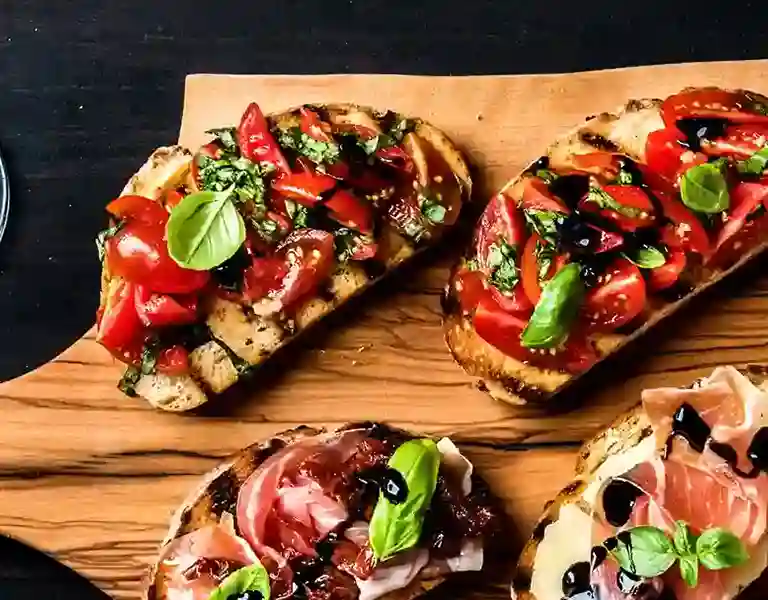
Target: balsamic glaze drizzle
619,498
698,130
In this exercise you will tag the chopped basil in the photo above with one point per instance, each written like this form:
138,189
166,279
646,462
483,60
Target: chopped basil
149,357
703,188
472,264
561,297
227,136
387,140
251,581
755,164
267,228
502,261
245,177
545,223
347,242
625,178
547,175
103,236
298,213
604,200
315,150
545,254
646,257
432,209
128,381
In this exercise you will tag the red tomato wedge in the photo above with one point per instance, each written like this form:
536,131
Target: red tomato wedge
740,233
139,209
119,329
515,302
470,289
685,231
605,164
305,187
263,277
618,298
667,274
740,141
667,158
173,360
257,143
529,267
737,107
536,196
172,198
161,310
349,210
502,330
501,221
634,199
313,126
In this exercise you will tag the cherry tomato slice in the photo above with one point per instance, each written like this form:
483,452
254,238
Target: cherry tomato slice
737,107
740,141
470,289
629,196
619,297
161,310
313,126
263,277
501,221
502,330
529,267
396,157
119,329
740,233
173,360
257,143
536,196
306,187
685,231
138,252
349,210
667,274
138,208
515,302
666,157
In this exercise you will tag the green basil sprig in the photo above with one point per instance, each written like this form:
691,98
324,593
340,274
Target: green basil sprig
204,230
502,262
604,200
253,578
755,164
703,188
556,310
397,527
646,257
650,552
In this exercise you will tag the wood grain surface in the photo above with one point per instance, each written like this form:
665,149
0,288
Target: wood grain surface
93,477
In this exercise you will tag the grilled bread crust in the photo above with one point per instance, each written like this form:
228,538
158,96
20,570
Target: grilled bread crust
512,381
624,433
242,338
218,492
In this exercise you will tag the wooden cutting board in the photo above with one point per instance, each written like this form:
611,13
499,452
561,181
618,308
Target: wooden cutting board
92,476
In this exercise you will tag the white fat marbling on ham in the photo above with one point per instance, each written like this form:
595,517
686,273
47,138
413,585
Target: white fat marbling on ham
457,463
395,574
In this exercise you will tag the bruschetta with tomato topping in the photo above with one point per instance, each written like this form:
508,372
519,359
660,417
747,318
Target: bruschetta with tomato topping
216,258
669,503
616,227
364,512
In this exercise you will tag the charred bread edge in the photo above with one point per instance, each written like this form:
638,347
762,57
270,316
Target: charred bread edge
625,432
434,136
514,391
199,506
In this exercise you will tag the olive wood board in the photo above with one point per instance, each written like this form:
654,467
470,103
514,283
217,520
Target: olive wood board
92,477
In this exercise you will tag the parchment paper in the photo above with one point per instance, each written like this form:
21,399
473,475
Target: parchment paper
502,122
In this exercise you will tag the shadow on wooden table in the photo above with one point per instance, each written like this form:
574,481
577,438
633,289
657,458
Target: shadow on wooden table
28,574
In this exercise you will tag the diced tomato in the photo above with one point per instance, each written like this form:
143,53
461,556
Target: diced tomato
339,170
349,210
283,222
139,209
667,274
666,157
365,248
160,310
397,157
619,297
515,302
502,330
501,221
306,187
263,277
139,253
313,126
536,196
257,143
119,329
631,197
685,231
740,233
172,198
529,267
740,141
173,360
737,107
470,289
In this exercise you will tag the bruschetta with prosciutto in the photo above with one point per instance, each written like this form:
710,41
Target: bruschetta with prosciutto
614,228
364,512
216,258
669,503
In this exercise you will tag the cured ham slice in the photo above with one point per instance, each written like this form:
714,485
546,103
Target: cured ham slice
194,564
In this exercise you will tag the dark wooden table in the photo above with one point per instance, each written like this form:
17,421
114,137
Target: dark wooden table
89,88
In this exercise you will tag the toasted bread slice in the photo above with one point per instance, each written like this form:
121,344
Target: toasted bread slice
622,442
244,337
515,382
217,495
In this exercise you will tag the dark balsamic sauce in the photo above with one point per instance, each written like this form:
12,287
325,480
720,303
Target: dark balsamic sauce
570,189
757,453
390,482
619,499
597,557
628,583
688,424
698,130
229,274
577,579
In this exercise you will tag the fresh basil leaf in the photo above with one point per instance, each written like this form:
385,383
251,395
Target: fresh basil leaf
545,254
646,257
227,136
649,552
684,540
376,143
252,578
604,200
103,236
689,570
204,230
128,381
556,310
545,174
624,178
502,262
245,177
545,223
317,151
703,188
395,528
400,126
433,210
755,164
719,549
